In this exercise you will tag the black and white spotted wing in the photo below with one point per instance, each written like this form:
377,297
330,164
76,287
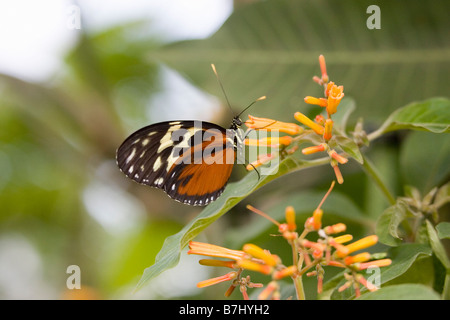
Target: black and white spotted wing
153,156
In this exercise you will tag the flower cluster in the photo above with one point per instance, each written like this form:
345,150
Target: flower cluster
321,126
309,257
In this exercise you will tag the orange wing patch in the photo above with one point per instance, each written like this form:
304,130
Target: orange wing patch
203,178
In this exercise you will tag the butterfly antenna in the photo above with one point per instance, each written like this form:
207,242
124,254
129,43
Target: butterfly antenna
259,99
221,86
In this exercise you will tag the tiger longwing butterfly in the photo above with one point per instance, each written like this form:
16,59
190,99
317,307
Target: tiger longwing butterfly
190,160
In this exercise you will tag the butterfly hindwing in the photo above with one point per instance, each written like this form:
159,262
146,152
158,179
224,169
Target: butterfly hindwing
190,162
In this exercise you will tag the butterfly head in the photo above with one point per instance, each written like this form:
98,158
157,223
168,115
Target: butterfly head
236,123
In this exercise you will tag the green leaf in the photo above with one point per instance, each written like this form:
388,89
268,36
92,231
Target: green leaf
431,115
271,48
442,196
424,159
388,223
407,291
437,246
350,147
443,230
403,257
169,255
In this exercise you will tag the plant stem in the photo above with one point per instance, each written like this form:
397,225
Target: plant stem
297,261
446,290
370,169
298,283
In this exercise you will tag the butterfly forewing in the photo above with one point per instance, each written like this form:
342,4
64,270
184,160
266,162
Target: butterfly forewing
190,160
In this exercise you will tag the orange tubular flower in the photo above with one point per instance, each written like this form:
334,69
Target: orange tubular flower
206,249
362,257
375,263
314,149
254,266
328,128
270,141
335,94
217,263
317,219
337,172
269,290
335,228
309,123
262,159
270,124
262,254
338,157
226,277
321,102
290,218
323,68
344,238
286,272
370,286
358,245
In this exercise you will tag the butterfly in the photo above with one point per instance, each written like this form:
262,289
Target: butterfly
189,160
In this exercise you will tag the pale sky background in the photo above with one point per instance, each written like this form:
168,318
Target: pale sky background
34,34
34,37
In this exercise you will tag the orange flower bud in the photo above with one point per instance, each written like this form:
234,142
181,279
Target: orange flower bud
338,157
309,223
317,254
336,228
358,245
217,263
290,218
336,264
314,149
270,124
370,286
212,281
309,123
254,266
270,141
230,290
341,249
319,119
375,263
316,101
328,128
345,286
268,291
335,94
286,272
317,219
211,250
262,159
362,257
314,245
323,68
260,253
337,172
344,238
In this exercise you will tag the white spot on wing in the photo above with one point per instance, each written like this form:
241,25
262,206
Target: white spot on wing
157,164
165,141
131,156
